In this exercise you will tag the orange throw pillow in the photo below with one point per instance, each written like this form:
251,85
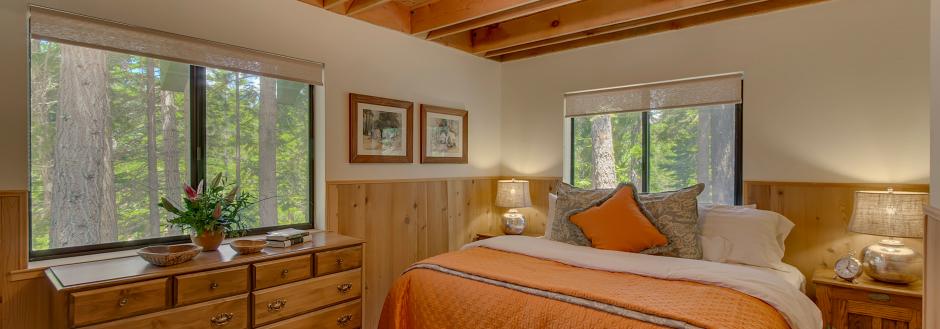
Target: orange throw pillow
619,224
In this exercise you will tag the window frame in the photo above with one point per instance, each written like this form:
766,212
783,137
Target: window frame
646,141
197,142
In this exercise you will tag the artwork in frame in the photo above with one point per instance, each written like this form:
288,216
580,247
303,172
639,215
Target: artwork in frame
379,130
443,135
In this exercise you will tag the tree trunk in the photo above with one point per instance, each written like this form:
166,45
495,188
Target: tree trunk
153,182
238,130
82,210
702,157
722,151
605,171
171,156
267,136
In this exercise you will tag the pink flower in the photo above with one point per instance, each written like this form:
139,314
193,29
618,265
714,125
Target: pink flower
218,211
190,192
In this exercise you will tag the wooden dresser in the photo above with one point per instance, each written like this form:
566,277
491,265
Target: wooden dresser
314,285
867,303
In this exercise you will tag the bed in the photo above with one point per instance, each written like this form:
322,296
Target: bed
526,282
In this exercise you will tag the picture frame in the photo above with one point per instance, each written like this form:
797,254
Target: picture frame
444,134
380,130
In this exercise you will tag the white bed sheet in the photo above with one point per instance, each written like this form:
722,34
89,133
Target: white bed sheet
790,274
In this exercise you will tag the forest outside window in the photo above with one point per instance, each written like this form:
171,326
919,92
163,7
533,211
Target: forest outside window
111,133
661,137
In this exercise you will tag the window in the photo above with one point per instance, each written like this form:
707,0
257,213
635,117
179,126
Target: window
657,141
111,133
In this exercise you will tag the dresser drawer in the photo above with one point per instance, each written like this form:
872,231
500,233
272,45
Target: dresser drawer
228,313
277,303
342,316
338,260
117,302
203,286
281,271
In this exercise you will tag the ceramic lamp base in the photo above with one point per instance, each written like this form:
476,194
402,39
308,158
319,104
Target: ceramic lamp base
893,262
513,222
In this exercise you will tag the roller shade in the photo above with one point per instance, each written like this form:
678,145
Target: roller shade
58,26
710,90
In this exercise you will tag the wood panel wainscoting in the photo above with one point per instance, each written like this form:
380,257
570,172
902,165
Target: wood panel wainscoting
821,212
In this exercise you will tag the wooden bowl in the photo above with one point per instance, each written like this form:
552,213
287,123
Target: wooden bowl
245,246
169,255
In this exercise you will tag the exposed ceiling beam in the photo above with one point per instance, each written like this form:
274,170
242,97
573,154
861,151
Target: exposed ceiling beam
736,12
359,6
688,12
501,16
316,3
389,14
573,18
444,13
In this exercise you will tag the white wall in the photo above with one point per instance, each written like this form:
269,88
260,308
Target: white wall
932,245
834,92
359,57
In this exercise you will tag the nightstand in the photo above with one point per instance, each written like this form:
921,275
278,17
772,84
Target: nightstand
867,303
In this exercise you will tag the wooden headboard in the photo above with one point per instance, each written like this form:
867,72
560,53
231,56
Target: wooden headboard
821,212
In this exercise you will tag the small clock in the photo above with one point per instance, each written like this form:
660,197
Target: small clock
848,268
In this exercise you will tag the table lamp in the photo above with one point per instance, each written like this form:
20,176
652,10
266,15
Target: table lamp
894,215
513,194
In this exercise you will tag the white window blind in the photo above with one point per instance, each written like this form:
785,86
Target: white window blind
58,26
710,90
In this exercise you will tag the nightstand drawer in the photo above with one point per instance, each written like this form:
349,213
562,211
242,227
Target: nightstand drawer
866,303
874,298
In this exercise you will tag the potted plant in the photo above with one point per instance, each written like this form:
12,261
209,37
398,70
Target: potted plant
210,215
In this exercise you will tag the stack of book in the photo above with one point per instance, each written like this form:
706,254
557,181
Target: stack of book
287,237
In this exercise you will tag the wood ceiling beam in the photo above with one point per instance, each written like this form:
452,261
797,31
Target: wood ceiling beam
389,14
360,6
577,17
736,12
501,16
334,4
444,13
688,12
315,3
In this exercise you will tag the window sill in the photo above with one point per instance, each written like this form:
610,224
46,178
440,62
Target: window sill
35,269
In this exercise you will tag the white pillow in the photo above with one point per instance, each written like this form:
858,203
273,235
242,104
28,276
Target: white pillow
552,199
744,235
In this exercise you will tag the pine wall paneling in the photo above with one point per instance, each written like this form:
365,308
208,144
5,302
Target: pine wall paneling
821,212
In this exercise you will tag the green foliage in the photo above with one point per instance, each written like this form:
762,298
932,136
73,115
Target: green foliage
127,99
212,209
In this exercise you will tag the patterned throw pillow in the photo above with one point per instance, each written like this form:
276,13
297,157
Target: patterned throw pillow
675,214
572,198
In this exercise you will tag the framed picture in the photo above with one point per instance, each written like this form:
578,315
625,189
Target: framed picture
379,130
443,135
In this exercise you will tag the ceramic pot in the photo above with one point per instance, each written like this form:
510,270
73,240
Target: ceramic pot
209,240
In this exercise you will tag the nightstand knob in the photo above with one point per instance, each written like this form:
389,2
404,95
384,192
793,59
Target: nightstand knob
879,297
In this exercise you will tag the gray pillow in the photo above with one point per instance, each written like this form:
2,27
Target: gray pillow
675,214
572,198
666,249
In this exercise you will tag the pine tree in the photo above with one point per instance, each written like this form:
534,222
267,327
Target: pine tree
267,136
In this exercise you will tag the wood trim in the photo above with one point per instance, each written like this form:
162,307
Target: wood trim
496,18
465,119
436,179
354,156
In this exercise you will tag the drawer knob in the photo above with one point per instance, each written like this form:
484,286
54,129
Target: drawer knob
213,285
339,262
879,297
123,301
284,274
344,288
221,319
343,320
277,305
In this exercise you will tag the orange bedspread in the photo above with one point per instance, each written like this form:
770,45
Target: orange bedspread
428,298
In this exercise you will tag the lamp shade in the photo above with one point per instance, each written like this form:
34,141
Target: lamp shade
513,194
889,213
